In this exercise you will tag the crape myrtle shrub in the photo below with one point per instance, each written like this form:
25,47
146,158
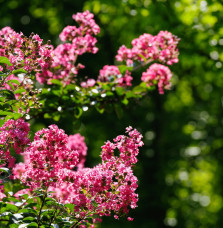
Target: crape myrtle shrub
52,187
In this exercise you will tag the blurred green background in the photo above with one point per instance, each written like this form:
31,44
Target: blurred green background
180,168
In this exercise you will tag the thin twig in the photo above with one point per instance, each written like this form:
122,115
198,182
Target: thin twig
142,65
52,218
38,219
76,223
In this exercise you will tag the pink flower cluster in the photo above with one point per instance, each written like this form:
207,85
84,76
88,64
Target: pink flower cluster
27,52
46,156
13,134
112,74
127,146
158,74
80,40
107,187
76,143
162,47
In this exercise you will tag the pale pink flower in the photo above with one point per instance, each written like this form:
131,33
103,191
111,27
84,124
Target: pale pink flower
157,74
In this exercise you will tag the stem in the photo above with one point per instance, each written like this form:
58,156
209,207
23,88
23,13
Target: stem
76,223
142,65
38,219
3,81
52,218
66,79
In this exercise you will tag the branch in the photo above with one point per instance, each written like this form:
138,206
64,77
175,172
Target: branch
52,218
38,219
142,65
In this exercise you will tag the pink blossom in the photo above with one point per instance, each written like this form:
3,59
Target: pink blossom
144,47
157,74
76,142
116,217
69,33
130,219
127,146
162,47
2,195
86,21
167,44
89,83
85,44
81,40
13,134
46,156
112,74
18,170
107,187
125,54
29,53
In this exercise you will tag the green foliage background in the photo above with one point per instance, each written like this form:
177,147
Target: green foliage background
180,167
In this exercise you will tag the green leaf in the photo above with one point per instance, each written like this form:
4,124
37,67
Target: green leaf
4,113
5,60
56,82
130,94
71,87
120,90
25,196
70,206
28,211
29,219
7,93
144,59
125,101
143,84
139,89
19,91
2,122
124,68
11,207
23,225
14,81
11,85
16,116
109,94
32,225
13,199
19,71
100,108
56,117
13,225
78,112
4,170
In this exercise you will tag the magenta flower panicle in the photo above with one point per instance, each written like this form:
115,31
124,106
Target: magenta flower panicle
77,41
13,134
158,74
46,156
112,74
108,187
